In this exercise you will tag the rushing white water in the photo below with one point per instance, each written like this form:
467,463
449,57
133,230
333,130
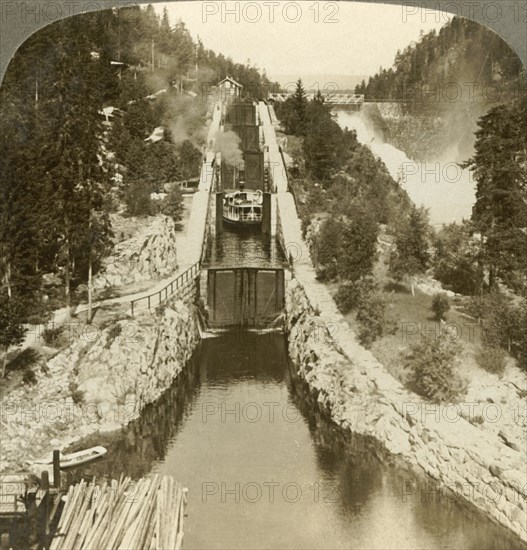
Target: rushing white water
442,185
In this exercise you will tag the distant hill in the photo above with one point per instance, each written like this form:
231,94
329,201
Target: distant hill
343,82
447,80
464,63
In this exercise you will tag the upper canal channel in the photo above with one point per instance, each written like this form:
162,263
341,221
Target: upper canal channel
266,469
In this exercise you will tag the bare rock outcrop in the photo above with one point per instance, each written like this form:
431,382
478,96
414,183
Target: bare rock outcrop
99,383
151,254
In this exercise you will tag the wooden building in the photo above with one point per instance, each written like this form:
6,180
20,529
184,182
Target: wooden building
229,88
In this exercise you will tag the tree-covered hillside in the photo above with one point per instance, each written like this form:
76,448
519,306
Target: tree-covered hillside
96,112
444,83
464,54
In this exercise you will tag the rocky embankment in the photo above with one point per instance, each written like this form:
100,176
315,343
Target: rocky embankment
99,383
494,403
149,255
361,396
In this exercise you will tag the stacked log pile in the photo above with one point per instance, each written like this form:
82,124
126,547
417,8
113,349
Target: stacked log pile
123,515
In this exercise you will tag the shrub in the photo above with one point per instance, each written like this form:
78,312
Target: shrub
172,205
503,324
440,306
346,297
11,329
432,365
349,294
115,331
76,394
371,318
29,377
491,359
51,335
326,251
39,318
364,298
305,221
113,334
495,315
518,345
137,199
24,360
455,259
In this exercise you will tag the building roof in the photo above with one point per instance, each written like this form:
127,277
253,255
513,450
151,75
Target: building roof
111,112
156,135
230,79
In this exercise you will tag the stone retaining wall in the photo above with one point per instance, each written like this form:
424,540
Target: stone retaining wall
360,395
100,383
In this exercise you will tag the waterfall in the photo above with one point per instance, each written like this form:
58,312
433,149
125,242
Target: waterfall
441,185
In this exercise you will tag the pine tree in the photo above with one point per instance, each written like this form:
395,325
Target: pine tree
411,256
359,246
53,147
299,104
11,329
324,142
499,165
72,156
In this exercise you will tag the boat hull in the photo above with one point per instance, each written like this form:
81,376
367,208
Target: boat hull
74,460
238,223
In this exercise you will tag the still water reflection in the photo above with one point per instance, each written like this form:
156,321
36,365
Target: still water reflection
265,470
245,247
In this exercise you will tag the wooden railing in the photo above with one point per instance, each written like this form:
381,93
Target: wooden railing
179,283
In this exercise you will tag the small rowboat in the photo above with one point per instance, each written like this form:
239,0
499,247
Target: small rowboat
74,460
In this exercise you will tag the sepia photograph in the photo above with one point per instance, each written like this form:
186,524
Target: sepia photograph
263,275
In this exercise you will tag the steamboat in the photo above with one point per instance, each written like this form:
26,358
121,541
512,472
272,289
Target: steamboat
243,207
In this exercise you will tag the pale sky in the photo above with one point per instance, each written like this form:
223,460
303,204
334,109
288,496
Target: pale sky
345,38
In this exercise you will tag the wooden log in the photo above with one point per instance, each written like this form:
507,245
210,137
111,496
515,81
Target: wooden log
133,510
158,522
176,514
100,512
67,515
56,468
66,522
131,538
96,532
121,519
44,483
148,520
78,519
104,516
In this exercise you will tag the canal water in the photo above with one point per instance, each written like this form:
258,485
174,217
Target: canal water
247,248
266,470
